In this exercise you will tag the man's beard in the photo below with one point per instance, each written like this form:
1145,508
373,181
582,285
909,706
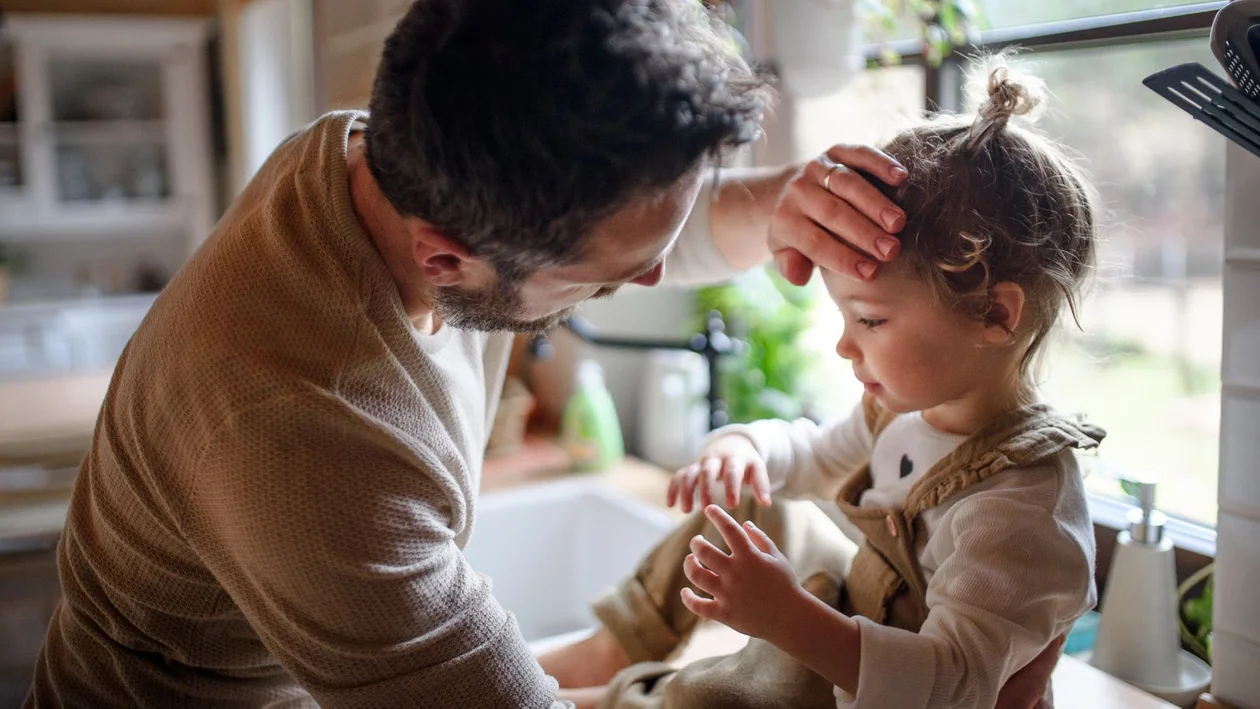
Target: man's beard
495,308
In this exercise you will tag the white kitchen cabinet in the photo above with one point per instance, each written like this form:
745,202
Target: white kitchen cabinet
13,169
109,131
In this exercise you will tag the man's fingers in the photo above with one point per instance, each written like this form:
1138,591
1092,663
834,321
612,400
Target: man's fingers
703,578
815,244
872,161
793,265
855,189
708,555
844,221
735,536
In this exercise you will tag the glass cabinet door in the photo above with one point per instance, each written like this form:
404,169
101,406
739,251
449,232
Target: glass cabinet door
11,172
109,133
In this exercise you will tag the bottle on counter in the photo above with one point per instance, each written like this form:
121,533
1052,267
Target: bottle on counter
589,429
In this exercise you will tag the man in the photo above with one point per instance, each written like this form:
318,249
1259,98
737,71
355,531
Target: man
285,469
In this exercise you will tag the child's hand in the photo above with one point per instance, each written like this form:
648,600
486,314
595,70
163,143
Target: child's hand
751,587
734,461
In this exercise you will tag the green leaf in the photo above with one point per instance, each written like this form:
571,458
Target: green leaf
1130,487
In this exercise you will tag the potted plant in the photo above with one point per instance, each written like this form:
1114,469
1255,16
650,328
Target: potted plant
1196,613
942,24
770,315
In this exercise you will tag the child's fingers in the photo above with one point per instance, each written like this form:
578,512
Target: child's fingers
692,491
760,539
709,555
676,482
683,487
712,468
703,607
687,487
736,538
732,478
756,477
703,578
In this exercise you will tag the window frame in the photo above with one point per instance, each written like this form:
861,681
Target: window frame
943,91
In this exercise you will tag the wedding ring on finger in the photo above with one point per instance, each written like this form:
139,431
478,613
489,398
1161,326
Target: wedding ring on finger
826,181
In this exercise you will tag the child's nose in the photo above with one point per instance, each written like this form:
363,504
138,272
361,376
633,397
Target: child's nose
846,349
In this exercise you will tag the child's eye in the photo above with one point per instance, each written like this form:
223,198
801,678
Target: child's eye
871,323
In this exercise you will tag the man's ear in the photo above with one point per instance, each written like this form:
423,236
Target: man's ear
442,260
1006,308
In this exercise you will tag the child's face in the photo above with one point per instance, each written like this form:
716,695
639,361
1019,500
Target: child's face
911,351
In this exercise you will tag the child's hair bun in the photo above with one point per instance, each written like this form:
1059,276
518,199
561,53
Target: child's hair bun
1003,93
1008,96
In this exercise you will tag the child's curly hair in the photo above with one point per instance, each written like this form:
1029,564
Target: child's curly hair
987,201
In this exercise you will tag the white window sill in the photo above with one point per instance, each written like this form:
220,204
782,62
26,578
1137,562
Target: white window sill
1191,536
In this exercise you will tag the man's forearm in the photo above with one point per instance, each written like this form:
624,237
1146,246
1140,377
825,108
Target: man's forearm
740,212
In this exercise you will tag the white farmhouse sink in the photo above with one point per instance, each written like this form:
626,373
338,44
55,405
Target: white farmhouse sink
551,549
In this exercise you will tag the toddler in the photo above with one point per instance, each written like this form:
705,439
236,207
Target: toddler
967,547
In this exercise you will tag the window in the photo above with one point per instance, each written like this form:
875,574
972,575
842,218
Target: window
871,109
1013,13
1147,364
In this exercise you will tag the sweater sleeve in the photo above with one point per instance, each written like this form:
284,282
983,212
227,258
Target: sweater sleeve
337,544
805,459
695,259
1015,580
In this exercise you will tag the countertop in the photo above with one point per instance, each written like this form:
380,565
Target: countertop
49,420
45,429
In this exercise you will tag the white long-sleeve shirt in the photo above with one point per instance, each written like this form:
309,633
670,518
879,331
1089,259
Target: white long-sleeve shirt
1009,561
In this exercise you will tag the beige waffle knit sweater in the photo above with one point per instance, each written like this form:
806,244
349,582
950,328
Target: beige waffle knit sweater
283,477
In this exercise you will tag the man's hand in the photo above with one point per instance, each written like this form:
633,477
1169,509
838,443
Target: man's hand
832,216
1025,689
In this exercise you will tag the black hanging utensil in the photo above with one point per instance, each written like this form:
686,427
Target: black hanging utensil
1234,42
1209,98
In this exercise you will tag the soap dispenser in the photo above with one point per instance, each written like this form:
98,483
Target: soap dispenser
1138,638
589,429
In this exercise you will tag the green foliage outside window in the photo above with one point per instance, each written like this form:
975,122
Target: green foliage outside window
770,315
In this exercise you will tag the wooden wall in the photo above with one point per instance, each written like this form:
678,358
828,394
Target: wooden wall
348,39
186,8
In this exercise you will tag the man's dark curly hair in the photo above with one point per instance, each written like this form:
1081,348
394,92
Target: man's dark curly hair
515,126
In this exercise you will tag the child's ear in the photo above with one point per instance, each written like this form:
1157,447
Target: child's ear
1006,307
442,260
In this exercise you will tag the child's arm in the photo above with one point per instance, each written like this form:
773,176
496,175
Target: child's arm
1014,580
754,590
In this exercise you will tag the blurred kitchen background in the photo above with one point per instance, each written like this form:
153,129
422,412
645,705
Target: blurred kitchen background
127,126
